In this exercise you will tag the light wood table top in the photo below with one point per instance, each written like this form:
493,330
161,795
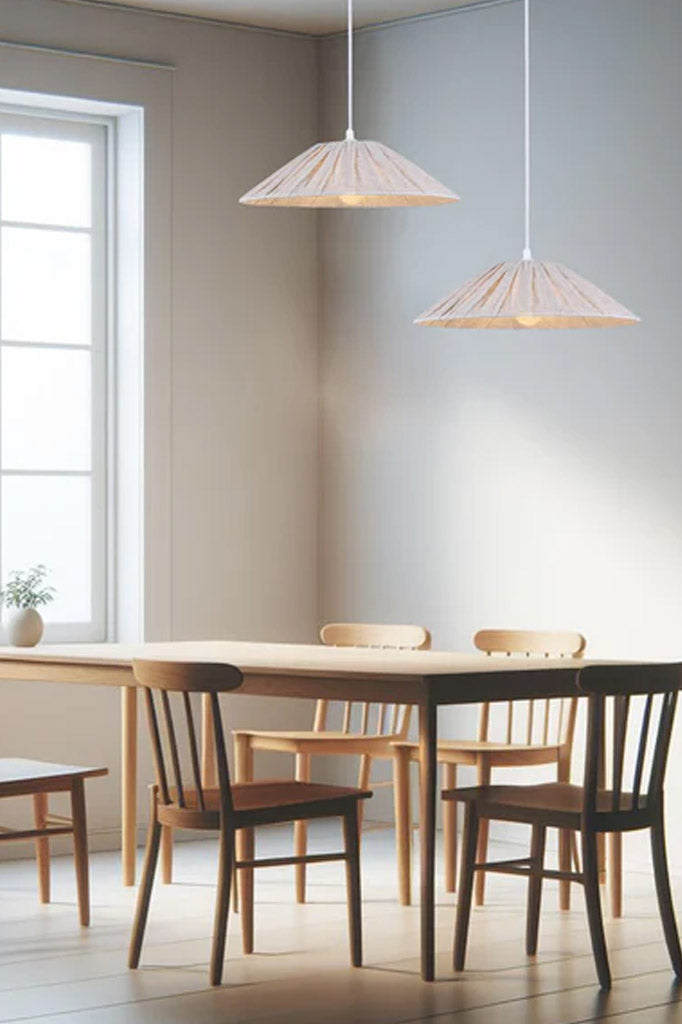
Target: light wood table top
308,670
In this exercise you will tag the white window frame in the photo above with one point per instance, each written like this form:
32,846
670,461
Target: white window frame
98,131
138,96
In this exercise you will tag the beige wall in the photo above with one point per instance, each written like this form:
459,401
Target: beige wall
525,478
236,385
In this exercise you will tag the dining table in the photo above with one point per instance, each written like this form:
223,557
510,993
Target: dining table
427,680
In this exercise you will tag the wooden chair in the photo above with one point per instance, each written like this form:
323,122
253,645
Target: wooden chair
366,731
20,777
642,699
532,733
230,810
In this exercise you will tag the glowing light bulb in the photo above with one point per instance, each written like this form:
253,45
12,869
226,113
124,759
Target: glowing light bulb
526,320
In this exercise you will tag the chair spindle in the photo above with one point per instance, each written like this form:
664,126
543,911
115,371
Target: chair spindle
621,708
173,744
194,750
157,749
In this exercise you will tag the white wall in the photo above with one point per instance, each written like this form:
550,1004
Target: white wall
525,478
232,399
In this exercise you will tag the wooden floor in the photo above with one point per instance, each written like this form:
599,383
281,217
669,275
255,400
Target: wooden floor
51,970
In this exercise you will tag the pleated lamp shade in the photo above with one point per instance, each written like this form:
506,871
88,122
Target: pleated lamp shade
352,172
524,294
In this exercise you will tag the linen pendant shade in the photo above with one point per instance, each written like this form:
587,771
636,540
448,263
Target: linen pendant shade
528,293
349,172
352,172
525,294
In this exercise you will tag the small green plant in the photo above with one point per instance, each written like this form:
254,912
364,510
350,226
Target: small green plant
27,589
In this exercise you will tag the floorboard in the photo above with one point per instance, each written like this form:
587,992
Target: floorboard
54,972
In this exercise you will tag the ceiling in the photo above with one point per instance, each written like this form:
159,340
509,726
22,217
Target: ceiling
317,17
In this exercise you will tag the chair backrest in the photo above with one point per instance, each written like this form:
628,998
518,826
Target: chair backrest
168,686
371,719
631,709
546,722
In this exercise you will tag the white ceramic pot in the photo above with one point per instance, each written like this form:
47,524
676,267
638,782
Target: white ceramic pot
24,627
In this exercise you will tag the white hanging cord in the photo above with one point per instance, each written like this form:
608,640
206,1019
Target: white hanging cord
526,113
350,134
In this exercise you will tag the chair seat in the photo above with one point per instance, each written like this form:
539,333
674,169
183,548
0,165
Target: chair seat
271,799
497,754
19,776
309,741
251,796
559,803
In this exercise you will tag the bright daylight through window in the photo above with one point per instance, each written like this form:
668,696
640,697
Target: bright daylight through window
53,364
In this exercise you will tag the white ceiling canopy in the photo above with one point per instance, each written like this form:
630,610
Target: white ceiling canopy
317,17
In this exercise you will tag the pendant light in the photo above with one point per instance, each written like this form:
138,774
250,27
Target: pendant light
349,173
527,293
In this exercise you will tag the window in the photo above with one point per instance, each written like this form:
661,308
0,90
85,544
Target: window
54,448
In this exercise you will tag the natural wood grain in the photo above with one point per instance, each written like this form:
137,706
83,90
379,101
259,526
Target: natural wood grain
449,829
80,848
365,634
42,846
128,782
528,641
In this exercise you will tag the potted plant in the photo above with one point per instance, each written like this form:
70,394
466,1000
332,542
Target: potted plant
24,592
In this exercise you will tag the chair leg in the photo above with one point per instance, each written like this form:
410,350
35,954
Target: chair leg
664,895
243,764
482,779
564,865
615,873
364,773
601,857
80,849
537,858
403,822
235,891
42,847
245,850
593,907
166,855
566,839
450,828
146,884
466,881
351,832
575,855
222,903
301,829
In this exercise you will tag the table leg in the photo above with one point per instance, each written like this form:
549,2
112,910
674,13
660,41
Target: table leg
128,782
427,834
